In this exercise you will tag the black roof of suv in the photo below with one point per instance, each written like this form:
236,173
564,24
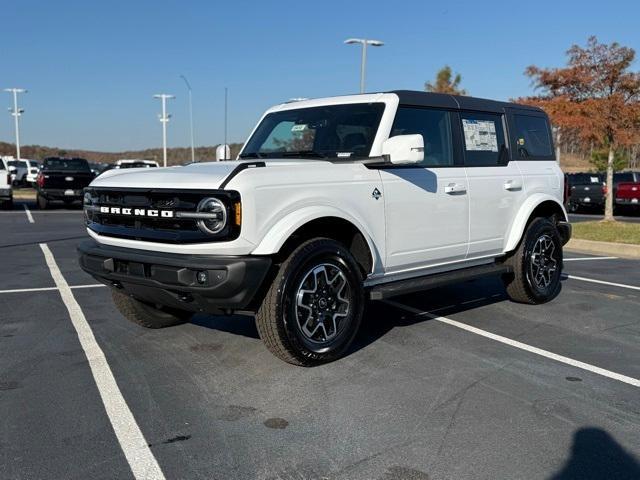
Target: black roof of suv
444,100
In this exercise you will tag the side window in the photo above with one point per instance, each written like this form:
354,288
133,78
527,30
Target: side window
435,128
532,138
484,141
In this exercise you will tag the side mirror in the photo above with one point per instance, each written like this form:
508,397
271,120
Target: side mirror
404,149
223,152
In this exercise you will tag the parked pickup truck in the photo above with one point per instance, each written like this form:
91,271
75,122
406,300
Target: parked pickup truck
628,195
331,203
62,179
585,191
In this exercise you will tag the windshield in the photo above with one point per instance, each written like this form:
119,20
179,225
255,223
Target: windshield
65,164
13,163
317,132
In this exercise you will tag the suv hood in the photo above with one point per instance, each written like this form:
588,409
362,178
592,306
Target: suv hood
205,175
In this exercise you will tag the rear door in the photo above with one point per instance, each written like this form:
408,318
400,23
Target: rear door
426,205
496,187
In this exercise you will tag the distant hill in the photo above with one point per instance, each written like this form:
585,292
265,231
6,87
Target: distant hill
175,156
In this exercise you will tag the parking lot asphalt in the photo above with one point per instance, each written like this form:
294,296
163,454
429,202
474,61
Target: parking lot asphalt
455,383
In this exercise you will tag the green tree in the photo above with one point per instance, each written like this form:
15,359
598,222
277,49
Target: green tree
446,82
600,159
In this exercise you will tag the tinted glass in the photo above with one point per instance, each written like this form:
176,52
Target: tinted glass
585,178
435,128
532,138
2,165
328,131
483,135
13,163
623,177
65,164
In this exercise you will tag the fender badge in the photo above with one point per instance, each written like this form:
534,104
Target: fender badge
376,193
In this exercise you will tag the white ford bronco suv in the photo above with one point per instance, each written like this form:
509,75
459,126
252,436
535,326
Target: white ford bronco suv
331,203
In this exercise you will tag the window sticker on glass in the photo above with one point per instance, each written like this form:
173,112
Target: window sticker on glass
298,128
480,135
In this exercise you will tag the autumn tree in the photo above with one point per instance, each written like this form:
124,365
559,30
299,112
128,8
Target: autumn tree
446,82
596,96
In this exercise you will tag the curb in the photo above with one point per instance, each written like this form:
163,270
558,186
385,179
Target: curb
604,248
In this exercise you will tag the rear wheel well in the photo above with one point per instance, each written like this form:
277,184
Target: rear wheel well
547,209
337,229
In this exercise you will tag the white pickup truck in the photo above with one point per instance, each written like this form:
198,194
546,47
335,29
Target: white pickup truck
331,203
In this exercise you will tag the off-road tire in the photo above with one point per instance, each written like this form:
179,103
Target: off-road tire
42,202
519,284
276,321
146,315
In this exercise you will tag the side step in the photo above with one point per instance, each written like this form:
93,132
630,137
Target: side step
402,287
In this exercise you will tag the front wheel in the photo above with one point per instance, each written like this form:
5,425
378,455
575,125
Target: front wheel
313,309
536,263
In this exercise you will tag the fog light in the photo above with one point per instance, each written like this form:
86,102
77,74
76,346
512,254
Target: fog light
202,277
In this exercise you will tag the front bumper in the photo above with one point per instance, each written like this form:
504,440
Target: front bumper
172,280
628,201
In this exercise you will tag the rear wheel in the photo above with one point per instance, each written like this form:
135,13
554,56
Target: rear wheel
313,309
537,264
43,203
146,315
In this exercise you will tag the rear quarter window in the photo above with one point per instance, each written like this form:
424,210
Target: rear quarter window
531,137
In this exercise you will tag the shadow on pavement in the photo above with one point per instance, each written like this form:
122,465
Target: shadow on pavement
596,455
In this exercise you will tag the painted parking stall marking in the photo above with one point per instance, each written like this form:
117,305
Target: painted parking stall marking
28,213
601,282
522,346
48,289
134,446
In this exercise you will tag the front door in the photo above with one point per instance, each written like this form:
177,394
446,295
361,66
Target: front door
426,205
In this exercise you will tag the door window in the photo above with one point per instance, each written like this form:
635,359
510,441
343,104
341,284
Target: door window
532,138
435,128
483,136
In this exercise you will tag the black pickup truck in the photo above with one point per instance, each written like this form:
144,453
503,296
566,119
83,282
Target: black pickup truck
585,191
62,179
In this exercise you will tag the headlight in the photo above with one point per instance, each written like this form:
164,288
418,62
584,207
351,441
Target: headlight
216,215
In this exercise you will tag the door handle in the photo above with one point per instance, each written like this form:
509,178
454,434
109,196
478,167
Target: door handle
455,188
512,185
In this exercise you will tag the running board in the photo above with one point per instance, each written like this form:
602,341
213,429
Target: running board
402,287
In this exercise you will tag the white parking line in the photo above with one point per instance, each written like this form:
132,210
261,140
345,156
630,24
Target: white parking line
581,259
28,212
522,346
136,449
602,282
47,289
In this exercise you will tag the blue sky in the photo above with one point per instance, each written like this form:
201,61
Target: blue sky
92,67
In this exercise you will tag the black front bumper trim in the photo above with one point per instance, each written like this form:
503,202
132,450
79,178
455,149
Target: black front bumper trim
176,280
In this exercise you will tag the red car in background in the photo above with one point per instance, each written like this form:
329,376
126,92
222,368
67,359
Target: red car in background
627,190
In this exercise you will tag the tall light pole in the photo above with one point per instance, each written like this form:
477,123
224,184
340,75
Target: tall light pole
193,152
363,64
164,119
16,112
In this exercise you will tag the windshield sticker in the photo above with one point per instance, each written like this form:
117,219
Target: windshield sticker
480,135
343,154
299,128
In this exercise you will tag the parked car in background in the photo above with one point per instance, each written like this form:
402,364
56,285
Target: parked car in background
626,187
33,168
134,163
18,170
62,179
585,191
6,192
98,168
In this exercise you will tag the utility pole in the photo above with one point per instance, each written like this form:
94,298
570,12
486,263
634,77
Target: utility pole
225,119
16,112
193,152
164,119
363,62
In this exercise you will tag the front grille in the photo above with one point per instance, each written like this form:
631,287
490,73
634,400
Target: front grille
159,228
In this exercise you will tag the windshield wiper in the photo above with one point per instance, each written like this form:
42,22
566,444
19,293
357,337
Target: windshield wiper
251,155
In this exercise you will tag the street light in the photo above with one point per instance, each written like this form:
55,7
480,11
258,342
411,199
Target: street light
363,65
16,112
164,119
193,154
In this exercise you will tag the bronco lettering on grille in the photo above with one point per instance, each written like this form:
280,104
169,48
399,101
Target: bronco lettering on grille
137,212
